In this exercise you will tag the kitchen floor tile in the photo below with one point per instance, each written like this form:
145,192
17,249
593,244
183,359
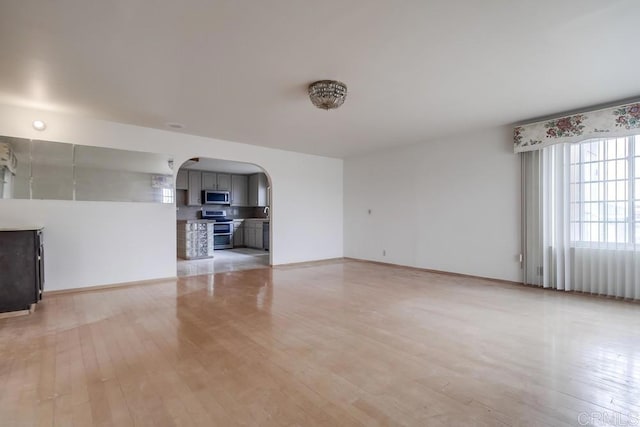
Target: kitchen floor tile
224,260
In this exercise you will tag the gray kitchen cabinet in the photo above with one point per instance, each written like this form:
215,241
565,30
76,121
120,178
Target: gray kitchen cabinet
249,235
209,181
258,188
238,234
239,188
266,235
253,190
224,182
182,180
258,231
253,234
195,188
238,238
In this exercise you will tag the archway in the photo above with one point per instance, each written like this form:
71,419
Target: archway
223,212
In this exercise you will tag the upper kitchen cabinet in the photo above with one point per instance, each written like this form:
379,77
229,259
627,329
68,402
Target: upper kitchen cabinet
239,194
224,182
216,181
258,190
209,181
182,180
245,190
195,188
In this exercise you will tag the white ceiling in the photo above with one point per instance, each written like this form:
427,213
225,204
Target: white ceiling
238,70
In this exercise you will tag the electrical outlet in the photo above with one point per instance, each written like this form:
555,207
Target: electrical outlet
384,252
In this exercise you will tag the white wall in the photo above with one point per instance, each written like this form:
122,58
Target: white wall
131,242
99,243
452,204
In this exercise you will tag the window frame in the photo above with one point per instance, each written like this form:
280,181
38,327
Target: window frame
578,200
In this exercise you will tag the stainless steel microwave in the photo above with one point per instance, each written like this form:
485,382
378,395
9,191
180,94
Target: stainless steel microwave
213,197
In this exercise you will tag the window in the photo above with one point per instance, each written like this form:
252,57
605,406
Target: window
604,189
581,203
167,195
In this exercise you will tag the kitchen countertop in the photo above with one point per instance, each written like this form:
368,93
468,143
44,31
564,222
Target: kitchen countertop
22,227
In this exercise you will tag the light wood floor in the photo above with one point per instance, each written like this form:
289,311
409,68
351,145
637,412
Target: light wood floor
339,343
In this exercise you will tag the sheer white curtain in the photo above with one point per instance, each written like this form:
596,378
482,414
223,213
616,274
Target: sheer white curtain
579,211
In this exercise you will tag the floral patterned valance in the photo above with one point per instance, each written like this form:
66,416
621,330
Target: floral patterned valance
606,123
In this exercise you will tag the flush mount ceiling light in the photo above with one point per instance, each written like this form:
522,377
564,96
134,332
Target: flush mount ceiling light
327,94
39,125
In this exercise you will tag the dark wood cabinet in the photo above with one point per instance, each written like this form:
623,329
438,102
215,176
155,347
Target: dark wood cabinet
21,269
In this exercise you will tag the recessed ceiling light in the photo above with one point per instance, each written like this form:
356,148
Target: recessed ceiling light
174,125
39,125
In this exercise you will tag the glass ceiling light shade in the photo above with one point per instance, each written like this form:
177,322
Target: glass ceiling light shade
327,94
